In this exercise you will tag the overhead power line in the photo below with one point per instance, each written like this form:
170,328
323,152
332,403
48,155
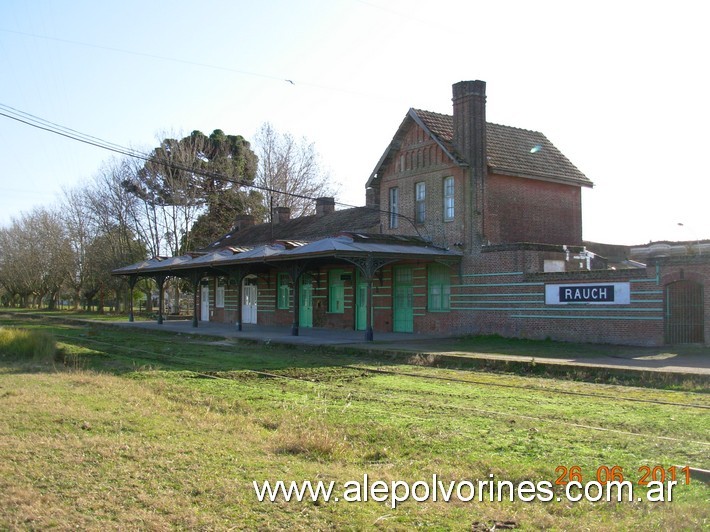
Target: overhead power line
52,127
72,134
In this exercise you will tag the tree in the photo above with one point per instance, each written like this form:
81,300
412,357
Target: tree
5,296
121,230
195,177
36,256
105,253
221,213
291,172
81,230
115,211
15,277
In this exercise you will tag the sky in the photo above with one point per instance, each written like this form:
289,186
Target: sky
620,87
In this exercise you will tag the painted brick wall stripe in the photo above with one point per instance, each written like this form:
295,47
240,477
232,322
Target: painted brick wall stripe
539,316
491,274
633,292
496,294
499,301
497,284
596,308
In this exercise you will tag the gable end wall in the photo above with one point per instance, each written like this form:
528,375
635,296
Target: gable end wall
527,210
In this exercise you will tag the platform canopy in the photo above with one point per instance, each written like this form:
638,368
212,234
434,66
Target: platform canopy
344,246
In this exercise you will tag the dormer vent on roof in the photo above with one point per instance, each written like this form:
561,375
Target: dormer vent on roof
325,205
280,215
242,221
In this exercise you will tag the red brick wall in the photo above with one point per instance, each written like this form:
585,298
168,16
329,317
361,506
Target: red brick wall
504,293
422,160
696,269
514,209
526,210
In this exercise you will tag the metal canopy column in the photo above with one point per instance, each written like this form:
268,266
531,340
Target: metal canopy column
295,271
160,279
368,266
132,280
195,278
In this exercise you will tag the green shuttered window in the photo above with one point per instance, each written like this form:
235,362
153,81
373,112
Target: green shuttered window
439,281
284,292
336,291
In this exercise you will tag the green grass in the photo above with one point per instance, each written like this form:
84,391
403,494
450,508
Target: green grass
26,345
81,314
148,430
495,344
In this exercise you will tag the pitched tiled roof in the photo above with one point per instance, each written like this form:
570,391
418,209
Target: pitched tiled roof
305,228
510,150
514,151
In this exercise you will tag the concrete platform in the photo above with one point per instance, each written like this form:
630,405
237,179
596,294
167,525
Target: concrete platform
692,361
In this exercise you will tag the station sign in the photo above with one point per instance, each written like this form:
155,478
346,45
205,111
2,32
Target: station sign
588,293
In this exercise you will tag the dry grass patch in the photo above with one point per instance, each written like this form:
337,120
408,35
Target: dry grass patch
311,438
26,345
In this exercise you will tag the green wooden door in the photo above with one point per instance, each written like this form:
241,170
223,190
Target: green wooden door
402,304
360,303
305,312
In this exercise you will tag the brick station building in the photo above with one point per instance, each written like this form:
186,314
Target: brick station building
469,228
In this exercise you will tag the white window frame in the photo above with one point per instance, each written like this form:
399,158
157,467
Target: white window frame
420,202
449,195
394,207
219,293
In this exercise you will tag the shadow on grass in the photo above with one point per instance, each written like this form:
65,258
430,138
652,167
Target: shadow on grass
495,344
120,350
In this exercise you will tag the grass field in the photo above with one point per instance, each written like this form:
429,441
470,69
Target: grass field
140,429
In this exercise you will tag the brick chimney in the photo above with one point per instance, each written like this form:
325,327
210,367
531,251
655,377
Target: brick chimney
280,215
470,121
324,206
469,99
242,221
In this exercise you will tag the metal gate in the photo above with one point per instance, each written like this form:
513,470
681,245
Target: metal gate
684,313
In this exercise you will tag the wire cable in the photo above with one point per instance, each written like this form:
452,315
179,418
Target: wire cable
72,134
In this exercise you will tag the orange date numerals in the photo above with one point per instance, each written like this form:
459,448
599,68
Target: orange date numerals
572,474
616,474
610,474
661,474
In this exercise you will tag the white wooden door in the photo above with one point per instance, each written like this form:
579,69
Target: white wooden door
249,296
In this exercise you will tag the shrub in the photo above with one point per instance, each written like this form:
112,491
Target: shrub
25,345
